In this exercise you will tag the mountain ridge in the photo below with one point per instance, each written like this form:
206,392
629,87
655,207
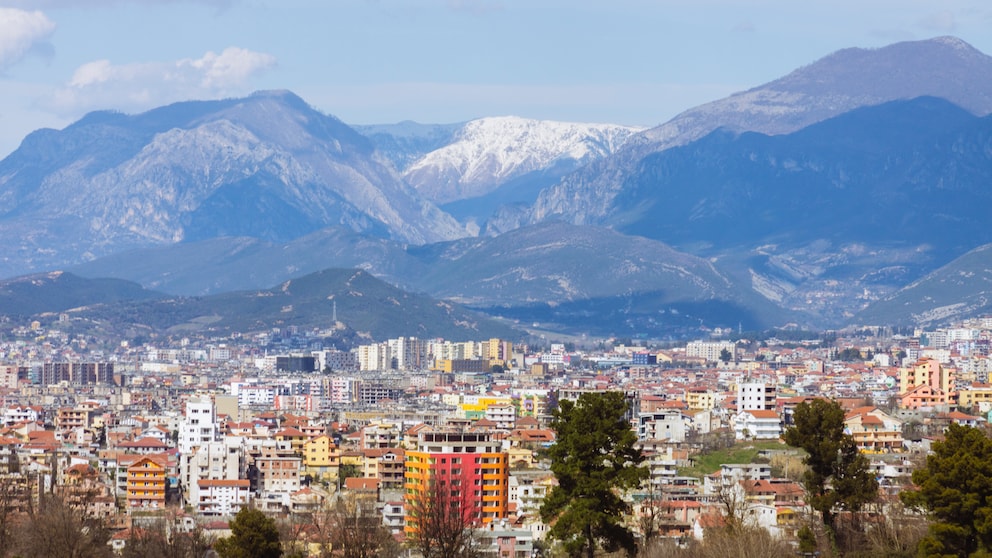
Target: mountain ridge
944,67
805,199
112,182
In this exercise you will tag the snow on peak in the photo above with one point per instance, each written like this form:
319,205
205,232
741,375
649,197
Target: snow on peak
489,151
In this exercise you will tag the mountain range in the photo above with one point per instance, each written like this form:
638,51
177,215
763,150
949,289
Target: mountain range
811,199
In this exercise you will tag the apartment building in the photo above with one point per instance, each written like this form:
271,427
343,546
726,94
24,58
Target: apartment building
471,466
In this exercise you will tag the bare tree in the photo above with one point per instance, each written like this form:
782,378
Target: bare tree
14,503
299,531
896,532
733,501
162,538
444,521
355,530
649,514
750,542
56,530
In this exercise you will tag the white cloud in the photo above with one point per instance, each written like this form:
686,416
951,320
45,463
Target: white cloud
20,31
229,68
103,85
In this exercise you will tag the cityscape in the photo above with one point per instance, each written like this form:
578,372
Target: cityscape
197,430
495,279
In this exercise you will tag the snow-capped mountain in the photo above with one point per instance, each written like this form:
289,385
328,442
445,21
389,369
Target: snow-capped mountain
489,152
266,166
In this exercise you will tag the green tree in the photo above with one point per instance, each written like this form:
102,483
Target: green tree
253,535
837,476
595,458
955,487
852,354
347,471
725,356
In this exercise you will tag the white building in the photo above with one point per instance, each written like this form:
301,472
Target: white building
222,497
212,461
755,396
256,396
663,424
200,425
757,425
528,493
503,415
709,350
20,413
343,390
731,474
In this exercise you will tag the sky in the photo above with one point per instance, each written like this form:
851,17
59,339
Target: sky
633,62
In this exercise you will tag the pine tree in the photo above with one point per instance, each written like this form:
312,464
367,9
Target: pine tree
595,458
956,488
253,535
837,478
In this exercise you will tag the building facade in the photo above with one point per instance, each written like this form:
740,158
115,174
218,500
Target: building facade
470,467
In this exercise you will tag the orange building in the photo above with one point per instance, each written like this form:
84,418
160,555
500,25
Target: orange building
471,466
146,484
927,384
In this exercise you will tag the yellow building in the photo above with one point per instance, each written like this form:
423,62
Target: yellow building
926,372
700,399
474,406
146,484
321,457
296,438
353,458
975,394
531,405
497,351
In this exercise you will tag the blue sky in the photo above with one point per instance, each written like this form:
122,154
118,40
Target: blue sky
635,62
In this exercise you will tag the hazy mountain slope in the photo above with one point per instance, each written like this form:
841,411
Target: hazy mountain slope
960,289
266,166
532,268
872,175
227,264
366,308
591,279
56,291
828,218
943,67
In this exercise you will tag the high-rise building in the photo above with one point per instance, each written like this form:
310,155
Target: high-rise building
755,396
470,467
709,350
77,373
200,425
